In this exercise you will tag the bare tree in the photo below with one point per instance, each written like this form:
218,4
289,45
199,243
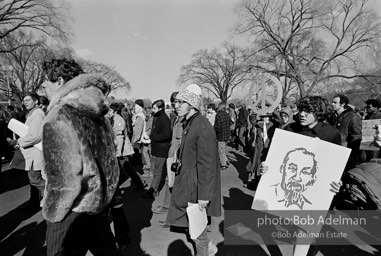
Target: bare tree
26,62
309,42
218,72
46,17
113,77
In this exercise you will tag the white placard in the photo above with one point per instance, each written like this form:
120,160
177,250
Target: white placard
301,169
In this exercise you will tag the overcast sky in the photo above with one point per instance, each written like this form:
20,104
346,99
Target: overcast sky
148,41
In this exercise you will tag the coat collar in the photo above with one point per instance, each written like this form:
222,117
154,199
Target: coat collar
86,93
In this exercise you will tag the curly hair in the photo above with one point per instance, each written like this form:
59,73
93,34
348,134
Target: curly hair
316,105
65,68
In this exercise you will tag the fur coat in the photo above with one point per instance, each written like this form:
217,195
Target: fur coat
79,150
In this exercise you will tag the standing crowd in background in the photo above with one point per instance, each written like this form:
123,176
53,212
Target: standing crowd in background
91,146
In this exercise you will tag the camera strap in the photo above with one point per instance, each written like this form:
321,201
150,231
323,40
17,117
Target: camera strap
185,133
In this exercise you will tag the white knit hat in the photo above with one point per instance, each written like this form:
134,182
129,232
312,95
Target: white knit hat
192,94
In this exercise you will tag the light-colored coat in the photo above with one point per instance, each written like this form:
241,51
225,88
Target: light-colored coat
33,156
124,147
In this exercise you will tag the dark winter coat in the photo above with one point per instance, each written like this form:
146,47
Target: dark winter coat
79,150
349,125
243,115
199,178
161,134
222,125
323,131
373,114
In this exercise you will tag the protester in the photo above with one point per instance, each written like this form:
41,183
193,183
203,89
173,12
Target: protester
295,112
123,150
222,128
43,103
146,147
242,124
286,116
349,125
211,113
160,138
127,116
81,165
372,109
198,177
177,129
312,112
233,120
139,126
34,163
265,129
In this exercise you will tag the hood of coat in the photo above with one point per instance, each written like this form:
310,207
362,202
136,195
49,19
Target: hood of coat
288,111
86,93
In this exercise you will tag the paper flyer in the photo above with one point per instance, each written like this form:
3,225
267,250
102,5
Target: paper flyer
197,220
21,130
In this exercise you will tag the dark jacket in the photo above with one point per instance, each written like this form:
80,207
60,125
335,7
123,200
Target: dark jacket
323,131
243,114
128,119
261,147
374,114
199,178
349,125
161,134
222,125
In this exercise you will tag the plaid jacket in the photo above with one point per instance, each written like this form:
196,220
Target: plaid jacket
222,125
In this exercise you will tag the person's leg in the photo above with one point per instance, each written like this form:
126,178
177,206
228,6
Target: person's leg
135,177
103,243
158,170
146,157
222,153
170,173
241,138
167,197
202,244
37,187
68,237
121,226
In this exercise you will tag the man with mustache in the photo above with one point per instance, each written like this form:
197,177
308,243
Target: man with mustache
298,174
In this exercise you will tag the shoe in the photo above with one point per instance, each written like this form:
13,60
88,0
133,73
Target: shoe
160,210
163,224
212,249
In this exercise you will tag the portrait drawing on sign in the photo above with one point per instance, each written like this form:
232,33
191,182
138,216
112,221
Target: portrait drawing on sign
298,169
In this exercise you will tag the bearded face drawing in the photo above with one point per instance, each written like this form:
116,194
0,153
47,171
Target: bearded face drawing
298,170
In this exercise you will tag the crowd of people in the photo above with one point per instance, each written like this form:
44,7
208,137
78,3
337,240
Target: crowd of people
90,147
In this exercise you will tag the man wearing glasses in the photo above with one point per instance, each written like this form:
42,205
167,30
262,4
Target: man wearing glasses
198,179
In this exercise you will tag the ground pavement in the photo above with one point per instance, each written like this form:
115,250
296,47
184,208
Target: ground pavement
24,233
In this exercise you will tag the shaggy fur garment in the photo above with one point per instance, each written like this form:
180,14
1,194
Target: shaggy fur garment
79,151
